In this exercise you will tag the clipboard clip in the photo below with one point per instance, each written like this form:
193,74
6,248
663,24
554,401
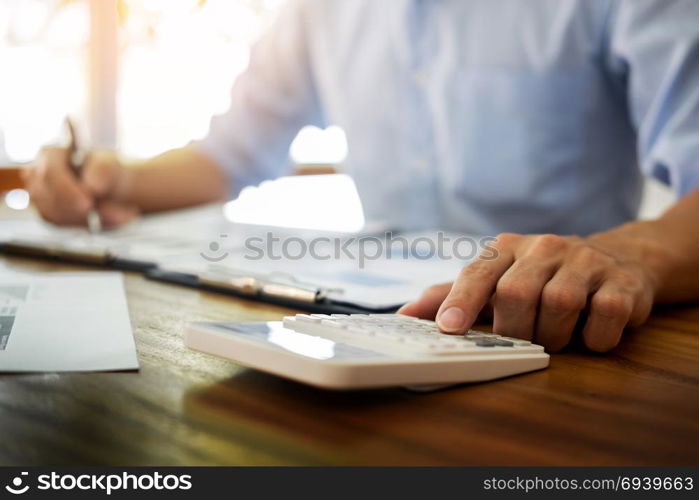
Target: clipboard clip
273,285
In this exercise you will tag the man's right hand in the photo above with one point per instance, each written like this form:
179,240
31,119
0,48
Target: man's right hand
63,199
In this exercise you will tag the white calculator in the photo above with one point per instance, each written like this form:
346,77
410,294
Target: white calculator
359,351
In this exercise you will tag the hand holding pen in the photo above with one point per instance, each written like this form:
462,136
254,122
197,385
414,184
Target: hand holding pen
71,188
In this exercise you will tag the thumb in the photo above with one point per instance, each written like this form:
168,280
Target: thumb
427,305
101,173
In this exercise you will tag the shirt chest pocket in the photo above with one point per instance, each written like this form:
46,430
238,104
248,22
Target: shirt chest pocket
520,133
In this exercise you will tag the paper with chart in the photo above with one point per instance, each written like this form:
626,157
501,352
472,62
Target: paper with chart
65,322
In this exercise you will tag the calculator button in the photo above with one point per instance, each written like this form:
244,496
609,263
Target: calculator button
473,336
503,343
466,343
304,318
396,334
333,323
321,316
517,342
484,342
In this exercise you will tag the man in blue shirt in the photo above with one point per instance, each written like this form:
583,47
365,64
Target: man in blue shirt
532,119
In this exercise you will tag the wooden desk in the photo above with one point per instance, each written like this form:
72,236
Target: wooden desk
10,177
639,405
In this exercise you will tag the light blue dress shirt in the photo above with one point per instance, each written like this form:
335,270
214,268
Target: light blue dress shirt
478,115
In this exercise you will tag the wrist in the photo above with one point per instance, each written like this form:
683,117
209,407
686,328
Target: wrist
123,185
645,246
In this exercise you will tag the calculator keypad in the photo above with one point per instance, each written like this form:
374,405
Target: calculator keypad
394,333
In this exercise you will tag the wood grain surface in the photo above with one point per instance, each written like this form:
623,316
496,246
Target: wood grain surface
639,405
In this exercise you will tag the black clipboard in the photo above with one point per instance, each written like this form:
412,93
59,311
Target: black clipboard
294,295
62,253
285,298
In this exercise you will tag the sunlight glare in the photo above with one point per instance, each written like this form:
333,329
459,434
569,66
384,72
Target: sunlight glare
17,199
320,202
313,145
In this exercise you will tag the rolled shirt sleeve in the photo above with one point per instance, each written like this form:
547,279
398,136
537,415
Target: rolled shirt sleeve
654,48
270,102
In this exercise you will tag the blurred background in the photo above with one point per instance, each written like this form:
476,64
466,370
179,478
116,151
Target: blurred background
131,72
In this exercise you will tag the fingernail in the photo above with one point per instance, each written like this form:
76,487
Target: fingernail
406,306
452,319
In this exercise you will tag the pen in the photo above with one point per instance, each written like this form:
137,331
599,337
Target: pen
76,158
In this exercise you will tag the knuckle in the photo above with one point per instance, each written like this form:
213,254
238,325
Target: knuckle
586,256
438,289
549,242
612,305
630,281
478,270
512,292
562,299
507,239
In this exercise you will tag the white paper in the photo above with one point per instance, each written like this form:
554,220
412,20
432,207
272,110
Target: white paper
374,283
65,322
170,237
182,241
154,238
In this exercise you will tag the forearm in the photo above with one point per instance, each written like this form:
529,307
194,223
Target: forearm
669,246
175,179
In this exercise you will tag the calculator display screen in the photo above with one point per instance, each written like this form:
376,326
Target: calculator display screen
310,346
